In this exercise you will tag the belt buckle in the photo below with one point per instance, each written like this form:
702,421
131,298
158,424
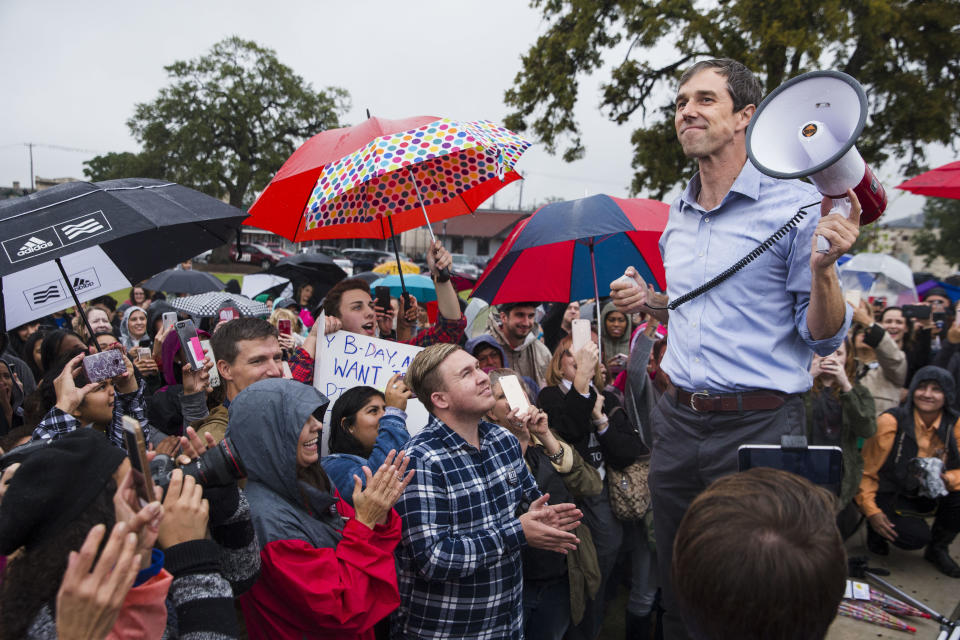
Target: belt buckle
693,399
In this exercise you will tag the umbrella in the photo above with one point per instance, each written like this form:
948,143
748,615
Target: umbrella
942,182
879,275
391,268
573,250
184,281
383,177
462,282
420,286
80,240
867,612
368,276
257,283
208,305
317,269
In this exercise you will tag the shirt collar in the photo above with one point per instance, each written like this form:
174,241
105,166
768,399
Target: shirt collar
747,184
454,440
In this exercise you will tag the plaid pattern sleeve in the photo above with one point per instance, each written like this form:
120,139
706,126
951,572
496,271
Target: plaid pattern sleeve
459,560
301,366
443,330
55,424
128,404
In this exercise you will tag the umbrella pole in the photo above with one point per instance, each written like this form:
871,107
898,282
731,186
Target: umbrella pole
396,252
596,293
76,300
444,274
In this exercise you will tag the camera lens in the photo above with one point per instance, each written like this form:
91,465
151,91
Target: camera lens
217,467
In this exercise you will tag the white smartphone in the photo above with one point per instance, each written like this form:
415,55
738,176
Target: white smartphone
853,297
580,330
516,398
214,374
169,318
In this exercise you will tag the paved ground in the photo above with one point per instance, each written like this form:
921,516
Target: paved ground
914,575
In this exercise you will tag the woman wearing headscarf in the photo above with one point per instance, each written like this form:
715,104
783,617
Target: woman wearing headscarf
327,570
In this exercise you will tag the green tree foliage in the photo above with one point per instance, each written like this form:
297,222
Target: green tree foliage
940,236
904,52
225,124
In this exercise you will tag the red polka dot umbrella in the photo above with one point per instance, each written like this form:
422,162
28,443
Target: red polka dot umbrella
358,181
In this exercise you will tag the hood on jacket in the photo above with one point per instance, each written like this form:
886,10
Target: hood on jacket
125,338
943,378
611,345
486,338
154,313
265,423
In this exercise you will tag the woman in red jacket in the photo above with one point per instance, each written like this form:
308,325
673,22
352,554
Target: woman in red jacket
327,570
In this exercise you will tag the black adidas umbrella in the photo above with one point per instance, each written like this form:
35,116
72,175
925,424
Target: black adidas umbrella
316,269
81,240
184,281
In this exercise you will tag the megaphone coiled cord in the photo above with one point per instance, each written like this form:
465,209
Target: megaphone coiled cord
743,262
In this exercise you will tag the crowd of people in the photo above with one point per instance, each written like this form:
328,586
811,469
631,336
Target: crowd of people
502,517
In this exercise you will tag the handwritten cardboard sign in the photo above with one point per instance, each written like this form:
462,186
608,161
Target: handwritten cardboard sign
345,360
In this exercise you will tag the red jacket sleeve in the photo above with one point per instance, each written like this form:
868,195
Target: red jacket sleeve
349,588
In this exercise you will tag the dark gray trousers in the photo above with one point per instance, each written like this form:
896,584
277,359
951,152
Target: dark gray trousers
690,451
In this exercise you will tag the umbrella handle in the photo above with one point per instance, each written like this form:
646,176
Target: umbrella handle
444,274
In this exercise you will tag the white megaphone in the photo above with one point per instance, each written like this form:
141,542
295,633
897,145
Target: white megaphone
807,127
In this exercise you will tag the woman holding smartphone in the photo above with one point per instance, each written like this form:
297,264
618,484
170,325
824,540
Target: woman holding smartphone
365,425
617,329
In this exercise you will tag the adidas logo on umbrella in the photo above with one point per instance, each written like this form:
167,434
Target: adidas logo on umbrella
45,295
33,245
79,284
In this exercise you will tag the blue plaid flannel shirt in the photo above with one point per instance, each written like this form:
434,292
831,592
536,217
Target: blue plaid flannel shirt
460,574
57,423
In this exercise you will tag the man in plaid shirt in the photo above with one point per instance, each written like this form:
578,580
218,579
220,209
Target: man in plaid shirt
349,306
470,508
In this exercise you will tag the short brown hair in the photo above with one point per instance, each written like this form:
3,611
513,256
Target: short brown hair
224,340
742,85
757,556
555,371
423,374
331,303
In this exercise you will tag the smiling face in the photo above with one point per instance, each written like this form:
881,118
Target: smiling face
928,397
256,360
308,445
137,296
99,320
137,324
894,323
518,323
356,312
705,120
465,387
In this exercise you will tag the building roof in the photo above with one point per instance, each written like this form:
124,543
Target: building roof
480,224
914,221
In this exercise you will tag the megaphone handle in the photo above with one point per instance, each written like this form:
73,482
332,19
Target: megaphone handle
840,205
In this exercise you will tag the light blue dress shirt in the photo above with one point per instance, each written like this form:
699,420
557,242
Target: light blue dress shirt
750,332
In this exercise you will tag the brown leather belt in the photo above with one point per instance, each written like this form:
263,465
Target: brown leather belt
703,402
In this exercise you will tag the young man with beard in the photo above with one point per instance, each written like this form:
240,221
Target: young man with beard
459,557
525,353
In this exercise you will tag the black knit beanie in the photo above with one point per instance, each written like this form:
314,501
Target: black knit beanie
55,484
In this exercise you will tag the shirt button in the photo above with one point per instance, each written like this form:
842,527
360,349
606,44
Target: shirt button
701,254
696,359
693,324
706,219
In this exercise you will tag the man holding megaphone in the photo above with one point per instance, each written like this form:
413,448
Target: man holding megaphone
750,300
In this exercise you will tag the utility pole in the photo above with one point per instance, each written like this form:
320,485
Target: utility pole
520,198
33,187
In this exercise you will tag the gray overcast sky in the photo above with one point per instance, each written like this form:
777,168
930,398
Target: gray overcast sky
74,70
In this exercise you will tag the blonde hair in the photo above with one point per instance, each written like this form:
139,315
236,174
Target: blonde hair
555,370
286,314
423,374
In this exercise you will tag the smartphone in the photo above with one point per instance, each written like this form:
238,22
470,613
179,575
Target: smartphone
516,398
103,365
190,343
852,297
169,319
214,373
143,352
383,297
919,311
820,465
580,330
284,326
139,465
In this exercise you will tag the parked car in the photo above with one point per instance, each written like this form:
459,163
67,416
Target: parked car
254,254
463,264
337,255
366,259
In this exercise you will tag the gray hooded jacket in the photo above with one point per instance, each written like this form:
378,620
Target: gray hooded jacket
266,419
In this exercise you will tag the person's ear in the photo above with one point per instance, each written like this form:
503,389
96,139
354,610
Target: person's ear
439,400
225,370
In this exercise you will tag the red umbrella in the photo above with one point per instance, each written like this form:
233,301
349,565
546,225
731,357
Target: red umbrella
942,182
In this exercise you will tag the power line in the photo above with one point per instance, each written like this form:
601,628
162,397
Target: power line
58,147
